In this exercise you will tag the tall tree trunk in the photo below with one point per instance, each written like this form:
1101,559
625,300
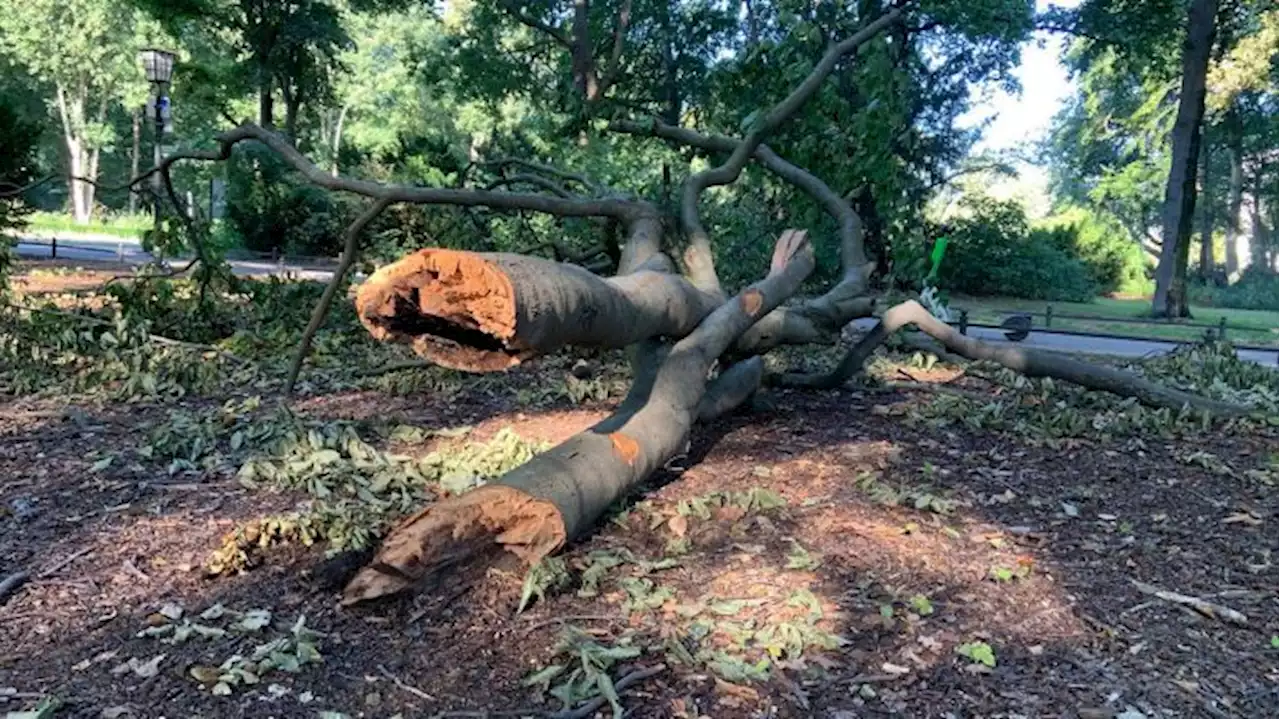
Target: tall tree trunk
336,147
1260,253
1206,218
134,158
89,189
584,74
291,111
671,109
1180,193
266,102
75,159
1237,242
71,112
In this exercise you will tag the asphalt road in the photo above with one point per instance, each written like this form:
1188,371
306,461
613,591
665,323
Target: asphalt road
105,248
101,247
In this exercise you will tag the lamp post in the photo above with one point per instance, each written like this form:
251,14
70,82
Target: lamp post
158,65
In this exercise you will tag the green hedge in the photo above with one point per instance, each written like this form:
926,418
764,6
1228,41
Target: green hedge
993,251
1116,263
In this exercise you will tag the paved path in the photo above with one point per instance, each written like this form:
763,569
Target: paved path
1092,344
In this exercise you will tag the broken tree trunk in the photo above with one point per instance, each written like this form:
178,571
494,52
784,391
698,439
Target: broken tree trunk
1033,363
537,507
484,312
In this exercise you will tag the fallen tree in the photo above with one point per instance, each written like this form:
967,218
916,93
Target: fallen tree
695,353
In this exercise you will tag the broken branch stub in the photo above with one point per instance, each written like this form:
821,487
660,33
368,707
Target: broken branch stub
535,508
485,312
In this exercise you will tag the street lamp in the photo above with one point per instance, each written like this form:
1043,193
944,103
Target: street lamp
158,65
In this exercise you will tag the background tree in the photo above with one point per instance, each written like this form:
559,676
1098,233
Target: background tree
86,50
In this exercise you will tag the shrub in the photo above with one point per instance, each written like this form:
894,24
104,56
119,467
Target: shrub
1257,289
994,252
18,140
272,208
1116,263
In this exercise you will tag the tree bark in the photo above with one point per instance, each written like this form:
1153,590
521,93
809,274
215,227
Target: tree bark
1237,244
583,63
1033,363
1206,218
534,509
1170,298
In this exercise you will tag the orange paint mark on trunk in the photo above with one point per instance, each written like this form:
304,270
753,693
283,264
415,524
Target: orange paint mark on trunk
752,301
626,447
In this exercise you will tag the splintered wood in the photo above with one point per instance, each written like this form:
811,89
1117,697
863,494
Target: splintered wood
445,533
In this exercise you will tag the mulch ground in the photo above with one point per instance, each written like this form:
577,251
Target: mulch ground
1071,632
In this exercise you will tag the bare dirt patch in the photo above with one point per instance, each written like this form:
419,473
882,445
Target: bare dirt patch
1027,550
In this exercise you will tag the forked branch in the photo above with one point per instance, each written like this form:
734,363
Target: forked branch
698,257
814,319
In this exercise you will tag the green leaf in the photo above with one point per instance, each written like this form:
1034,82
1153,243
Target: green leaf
979,652
542,678
921,605
103,463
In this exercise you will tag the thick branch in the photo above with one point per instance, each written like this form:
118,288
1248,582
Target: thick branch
534,509
530,179
1033,363
619,41
731,388
698,257
569,207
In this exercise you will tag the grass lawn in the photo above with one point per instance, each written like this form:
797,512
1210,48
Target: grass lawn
126,226
1257,327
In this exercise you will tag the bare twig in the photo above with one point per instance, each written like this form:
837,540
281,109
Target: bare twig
571,618
566,175
11,583
407,687
172,272
592,706
940,389
351,247
59,565
529,178
1207,608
